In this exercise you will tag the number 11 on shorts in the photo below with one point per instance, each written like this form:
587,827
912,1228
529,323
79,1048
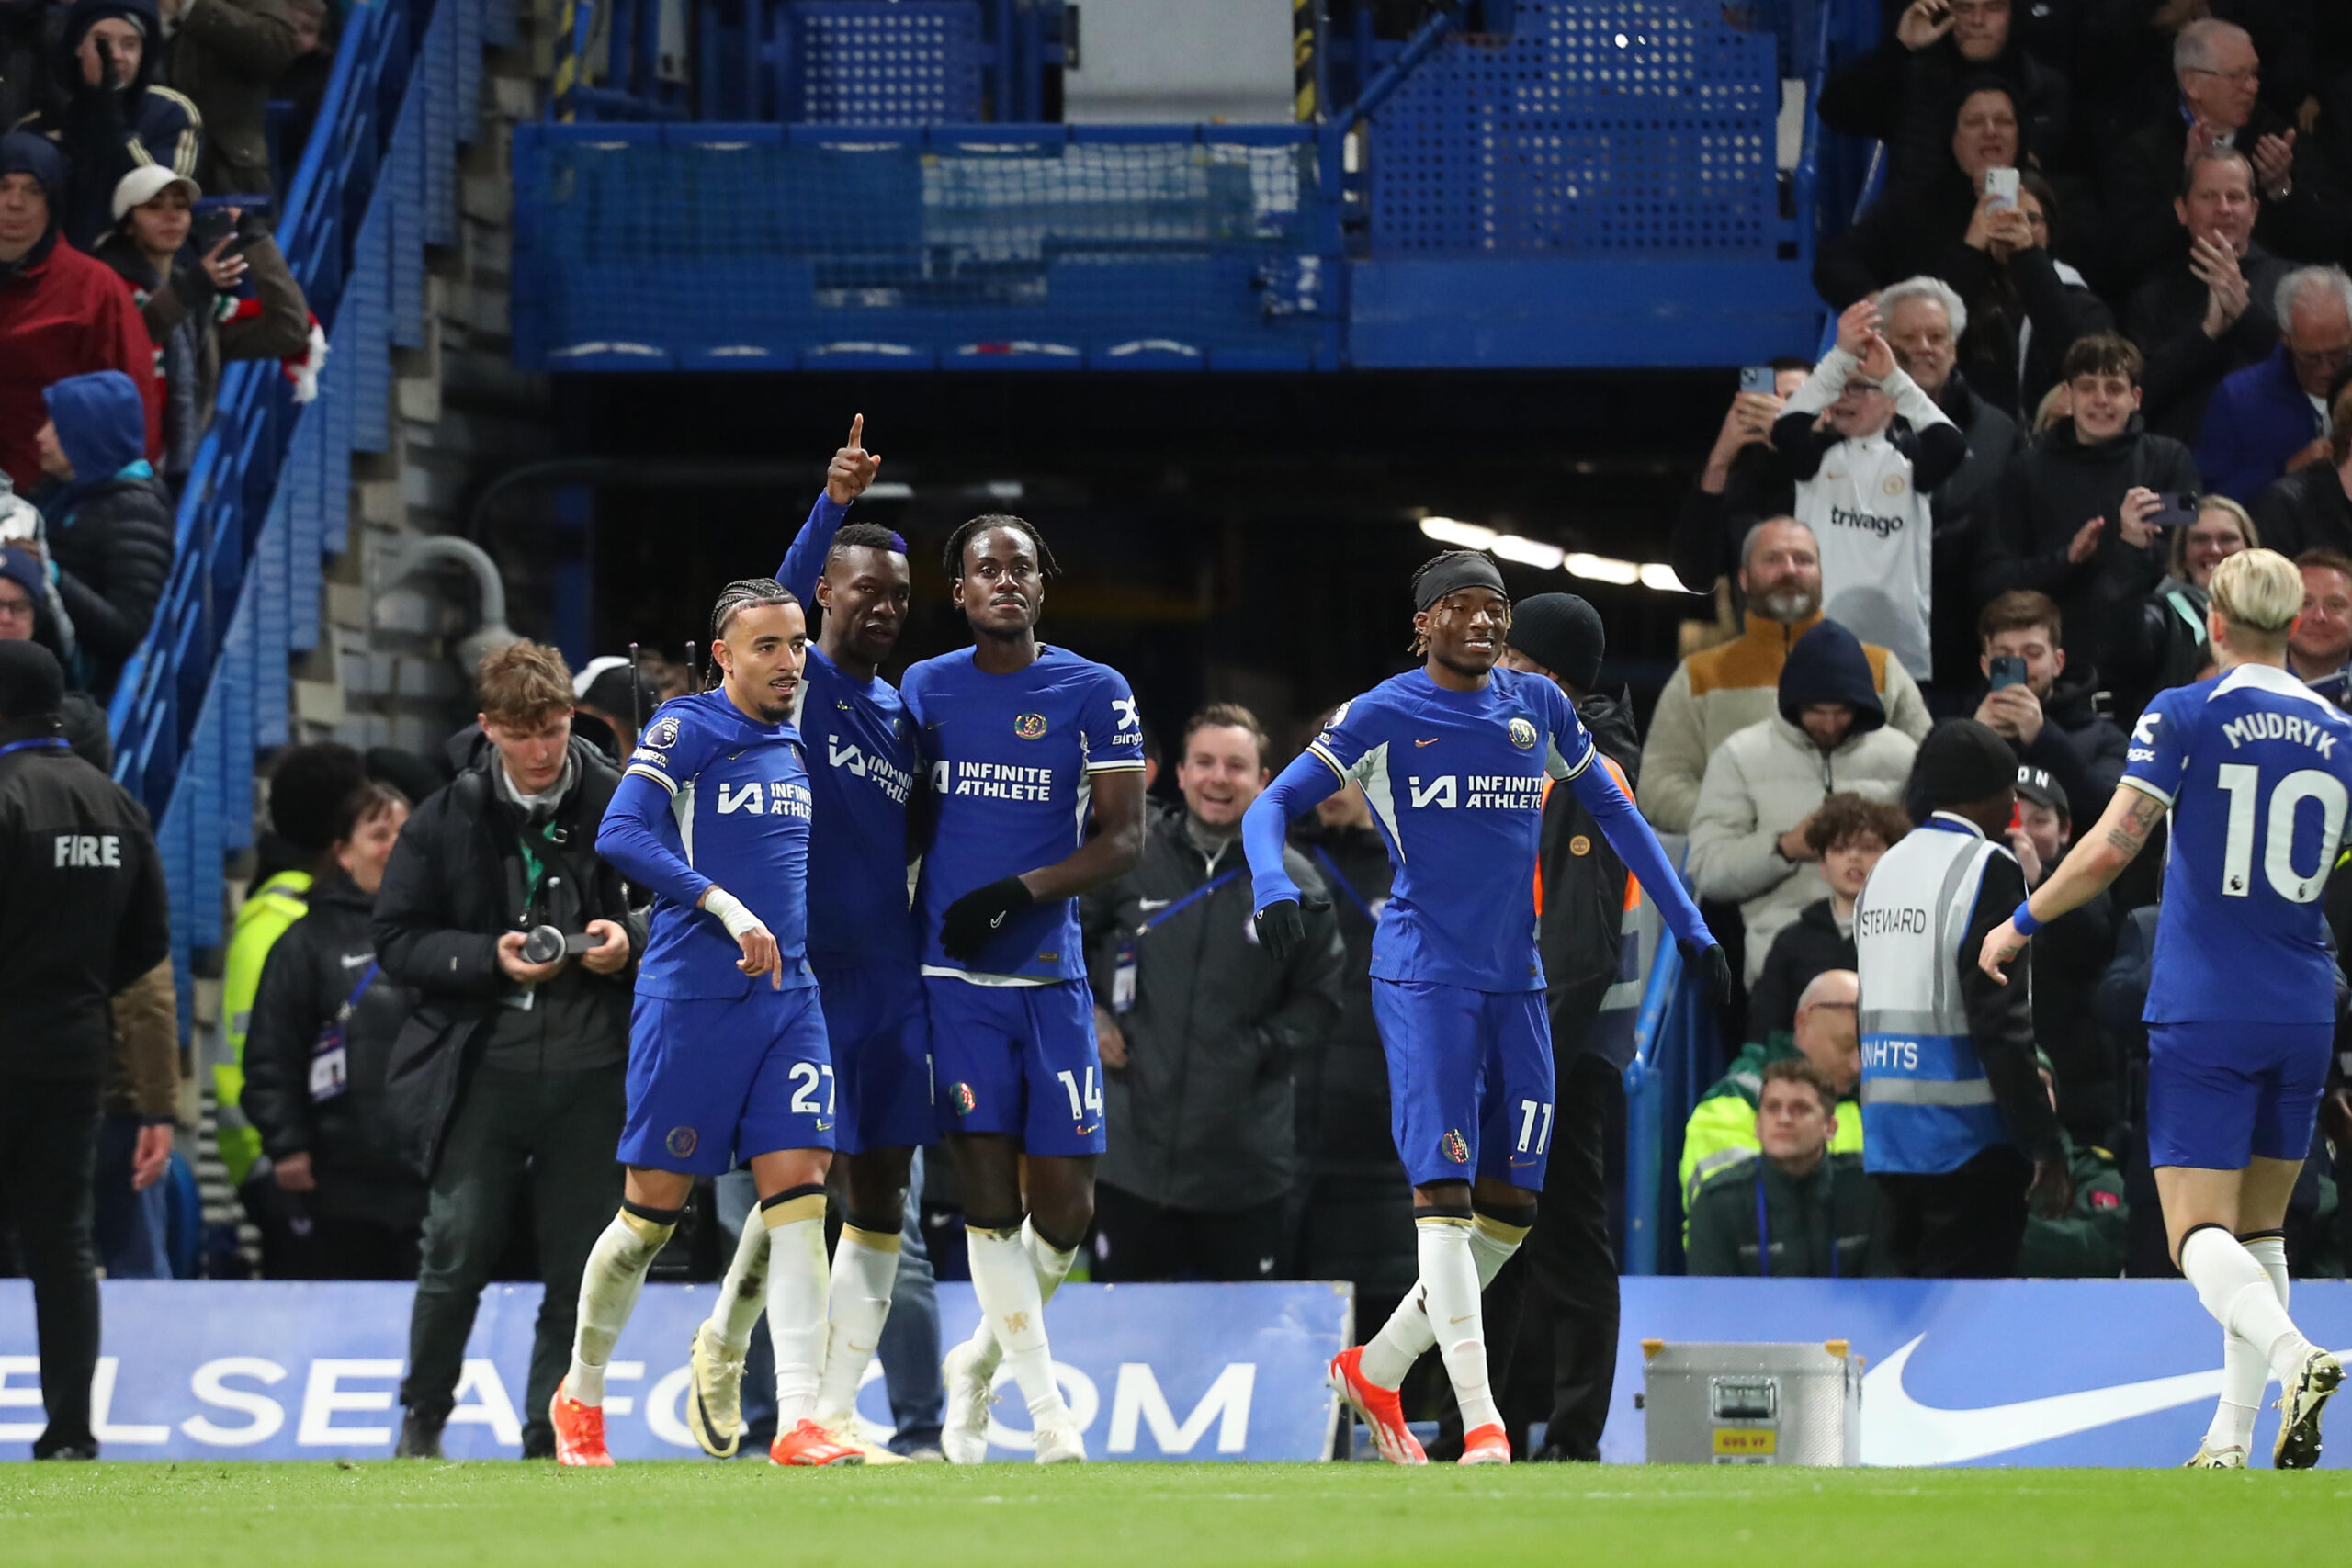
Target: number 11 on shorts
1528,1132
1082,1100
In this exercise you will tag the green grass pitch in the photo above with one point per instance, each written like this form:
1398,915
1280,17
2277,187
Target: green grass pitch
195,1515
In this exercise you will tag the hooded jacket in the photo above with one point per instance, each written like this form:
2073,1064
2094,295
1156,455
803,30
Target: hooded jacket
311,973
1720,691
62,314
2052,487
1770,776
1205,1106
110,533
106,134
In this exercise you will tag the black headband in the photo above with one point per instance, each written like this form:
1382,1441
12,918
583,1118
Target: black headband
1451,574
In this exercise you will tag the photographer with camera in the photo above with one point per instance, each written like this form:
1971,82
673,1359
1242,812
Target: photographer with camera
517,938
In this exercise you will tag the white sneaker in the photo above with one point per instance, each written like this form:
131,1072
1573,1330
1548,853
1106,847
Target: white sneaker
1060,1443
2209,1457
964,1436
850,1431
715,1398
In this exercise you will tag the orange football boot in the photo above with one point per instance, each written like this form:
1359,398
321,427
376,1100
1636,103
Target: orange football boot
1487,1445
1379,1406
579,1432
811,1444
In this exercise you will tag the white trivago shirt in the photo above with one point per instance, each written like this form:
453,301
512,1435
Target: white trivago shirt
1874,526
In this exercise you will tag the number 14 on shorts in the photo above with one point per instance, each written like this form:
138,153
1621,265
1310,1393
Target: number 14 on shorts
1084,1098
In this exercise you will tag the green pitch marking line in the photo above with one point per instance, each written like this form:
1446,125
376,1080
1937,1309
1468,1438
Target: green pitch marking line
516,1515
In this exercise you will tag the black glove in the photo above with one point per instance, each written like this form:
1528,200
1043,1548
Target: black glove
1282,925
1709,966
194,286
979,916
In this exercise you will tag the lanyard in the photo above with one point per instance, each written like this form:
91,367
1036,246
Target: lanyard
1347,889
42,742
1764,1233
1202,891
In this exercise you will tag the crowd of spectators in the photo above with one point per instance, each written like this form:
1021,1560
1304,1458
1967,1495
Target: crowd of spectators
2094,337
124,288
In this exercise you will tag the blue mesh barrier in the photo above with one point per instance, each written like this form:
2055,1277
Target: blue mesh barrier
916,62
974,246
1608,127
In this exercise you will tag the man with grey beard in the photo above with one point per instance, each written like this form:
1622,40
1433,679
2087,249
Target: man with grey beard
1734,685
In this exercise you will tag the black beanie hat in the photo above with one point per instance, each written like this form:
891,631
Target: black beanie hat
1562,633
32,683
1963,761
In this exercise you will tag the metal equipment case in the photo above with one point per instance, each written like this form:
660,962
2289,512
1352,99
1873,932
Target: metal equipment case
1752,1404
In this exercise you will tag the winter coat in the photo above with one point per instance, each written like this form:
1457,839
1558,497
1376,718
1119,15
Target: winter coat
2022,316
2055,486
111,527
1810,945
2306,509
1720,691
1963,507
1342,1078
2166,318
1770,776
1721,1130
1203,1111
1905,98
312,975
62,314
24,48
106,134
225,57
2256,420
2078,745
1910,230
79,921
2070,957
196,333
454,881
1711,529
2142,181
1820,1224
1581,897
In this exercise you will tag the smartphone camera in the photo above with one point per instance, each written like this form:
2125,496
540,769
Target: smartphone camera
2008,669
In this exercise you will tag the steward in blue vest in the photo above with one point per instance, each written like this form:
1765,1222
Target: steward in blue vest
1956,1124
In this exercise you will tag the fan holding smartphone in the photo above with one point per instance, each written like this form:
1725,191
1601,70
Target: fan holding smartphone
2048,719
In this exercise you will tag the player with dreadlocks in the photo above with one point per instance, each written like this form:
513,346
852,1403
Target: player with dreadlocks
727,1055
1021,739
861,767
1455,758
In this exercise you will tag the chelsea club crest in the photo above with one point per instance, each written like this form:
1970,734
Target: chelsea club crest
1029,726
1522,735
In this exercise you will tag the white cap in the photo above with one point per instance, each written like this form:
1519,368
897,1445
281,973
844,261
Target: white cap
144,184
590,671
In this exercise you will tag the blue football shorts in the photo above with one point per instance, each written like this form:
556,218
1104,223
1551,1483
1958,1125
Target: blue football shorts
2218,1093
1018,1060
718,1081
1469,1080
878,1022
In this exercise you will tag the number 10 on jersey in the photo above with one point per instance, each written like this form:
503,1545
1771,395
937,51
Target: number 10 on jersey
2243,782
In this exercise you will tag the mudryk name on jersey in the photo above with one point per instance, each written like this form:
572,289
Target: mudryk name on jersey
992,781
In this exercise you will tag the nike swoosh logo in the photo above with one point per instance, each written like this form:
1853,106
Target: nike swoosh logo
1902,1431
353,960
1430,742
994,923
1153,903
1463,1318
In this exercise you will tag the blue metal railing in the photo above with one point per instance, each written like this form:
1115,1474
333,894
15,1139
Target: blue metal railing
1675,1051
268,495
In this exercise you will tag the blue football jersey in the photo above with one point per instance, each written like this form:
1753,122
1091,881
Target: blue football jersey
1455,779
862,760
2256,768
1009,758
711,797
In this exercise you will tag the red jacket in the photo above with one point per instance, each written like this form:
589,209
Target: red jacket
66,314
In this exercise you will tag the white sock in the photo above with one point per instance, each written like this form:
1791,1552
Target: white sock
2244,1372
1051,1264
609,1288
796,1301
1406,1336
865,1268
2239,1294
1012,1302
2270,1251
1450,1295
743,1296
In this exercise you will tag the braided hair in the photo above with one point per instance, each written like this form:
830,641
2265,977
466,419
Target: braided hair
951,560
743,593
